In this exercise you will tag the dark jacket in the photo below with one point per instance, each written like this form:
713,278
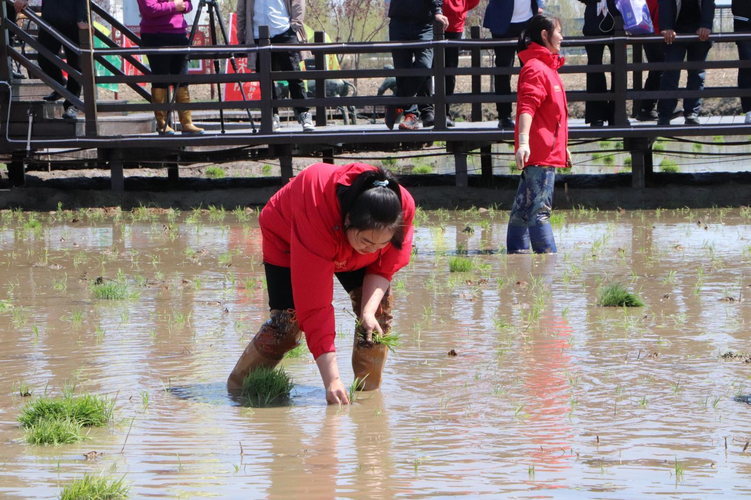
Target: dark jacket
417,11
742,8
64,11
669,10
498,15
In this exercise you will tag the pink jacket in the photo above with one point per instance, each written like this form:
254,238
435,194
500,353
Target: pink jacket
302,229
160,16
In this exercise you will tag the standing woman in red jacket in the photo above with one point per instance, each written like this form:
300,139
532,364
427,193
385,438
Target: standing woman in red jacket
353,222
541,136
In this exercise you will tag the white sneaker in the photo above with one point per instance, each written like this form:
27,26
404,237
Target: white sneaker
306,121
748,118
276,125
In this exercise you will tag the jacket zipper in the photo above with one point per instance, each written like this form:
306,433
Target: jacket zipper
555,136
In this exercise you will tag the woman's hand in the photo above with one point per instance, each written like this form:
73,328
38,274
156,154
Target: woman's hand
369,325
569,161
179,5
336,393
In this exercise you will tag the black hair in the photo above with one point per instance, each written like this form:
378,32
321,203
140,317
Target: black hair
533,32
372,206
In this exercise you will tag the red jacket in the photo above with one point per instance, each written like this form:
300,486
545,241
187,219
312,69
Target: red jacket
302,229
540,93
456,11
654,13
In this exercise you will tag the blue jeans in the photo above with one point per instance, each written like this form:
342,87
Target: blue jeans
675,52
529,223
411,86
744,54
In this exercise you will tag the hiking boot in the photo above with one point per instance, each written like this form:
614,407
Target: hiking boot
369,358
411,122
506,123
692,119
597,123
428,119
53,96
393,115
276,124
71,113
450,122
647,116
306,121
663,122
274,339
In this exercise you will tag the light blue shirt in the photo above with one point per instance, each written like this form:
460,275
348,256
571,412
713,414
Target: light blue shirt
271,13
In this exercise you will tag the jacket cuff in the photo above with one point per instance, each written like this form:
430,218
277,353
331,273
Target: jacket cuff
322,345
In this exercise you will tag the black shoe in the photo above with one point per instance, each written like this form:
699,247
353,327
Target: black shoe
506,123
663,122
597,123
647,116
70,113
428,119
677,113
17,75
692,119
393,115
53,96
450,122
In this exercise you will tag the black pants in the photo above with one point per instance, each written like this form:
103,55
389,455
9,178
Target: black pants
69,30
279,283
166,64
744,54
655,54
452,61
286,61
412,86
595,25
504,58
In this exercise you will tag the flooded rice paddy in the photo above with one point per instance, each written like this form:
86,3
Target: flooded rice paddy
549,395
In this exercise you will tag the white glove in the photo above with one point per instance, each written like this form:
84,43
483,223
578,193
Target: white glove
602,8
522,152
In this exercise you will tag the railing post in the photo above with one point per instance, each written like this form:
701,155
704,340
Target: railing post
439,74
636,58
320,58
89,76
265,81
6,70
619,74
476,34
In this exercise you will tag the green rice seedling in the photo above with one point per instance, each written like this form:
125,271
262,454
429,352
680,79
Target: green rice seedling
266,170
113,290
615,295
356,385
697,148
389,162
6,305
658,146
297,352
54,432
216,214
91,487
678,468
60,285
215,172
557,219
392,340
628,162
718,139
670,278
669,166
267,386
605,145
609,160
23,389
86,410
422,169
460,264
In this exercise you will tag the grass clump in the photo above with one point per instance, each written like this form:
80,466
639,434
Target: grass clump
616,295
267,387
113,290
297,352
668,165
215,172
54,421
422,169
460,265
95,488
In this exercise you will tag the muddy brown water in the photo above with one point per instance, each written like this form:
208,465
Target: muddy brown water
549,396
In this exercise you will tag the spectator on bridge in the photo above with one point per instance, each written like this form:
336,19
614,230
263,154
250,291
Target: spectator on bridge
541,136
285,21
694,17
456,12
353,222
163,25
742,24
412,20
507,19
598,22
67,17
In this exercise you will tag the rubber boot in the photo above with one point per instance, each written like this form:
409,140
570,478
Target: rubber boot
277,336
186,117
517,239
541,238
159,96
368,358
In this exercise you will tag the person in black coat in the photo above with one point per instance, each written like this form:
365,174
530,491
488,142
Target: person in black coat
603,24
67,17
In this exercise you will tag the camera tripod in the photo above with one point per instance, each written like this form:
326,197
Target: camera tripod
216,16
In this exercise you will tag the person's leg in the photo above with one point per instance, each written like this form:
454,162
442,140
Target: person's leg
517,235
596,111
452,61
399,31
73,85
178,65
695,51
674,52
160,65
744,54
541,183
280,334
504,58
290,61
423,59
655,53
51,44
